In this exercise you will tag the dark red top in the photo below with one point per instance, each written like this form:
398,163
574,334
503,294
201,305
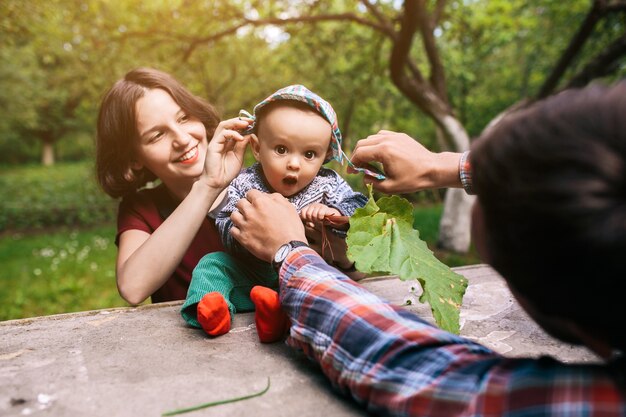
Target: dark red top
146,210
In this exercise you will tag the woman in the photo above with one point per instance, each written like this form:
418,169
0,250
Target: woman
150,127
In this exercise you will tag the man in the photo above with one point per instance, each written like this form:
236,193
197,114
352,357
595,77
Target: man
550,217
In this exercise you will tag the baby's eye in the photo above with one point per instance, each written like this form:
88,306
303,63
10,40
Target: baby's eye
281,150
309,154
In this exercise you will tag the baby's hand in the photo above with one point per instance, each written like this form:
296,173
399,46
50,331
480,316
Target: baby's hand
316,212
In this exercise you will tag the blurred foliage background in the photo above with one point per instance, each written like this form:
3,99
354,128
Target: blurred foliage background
57,58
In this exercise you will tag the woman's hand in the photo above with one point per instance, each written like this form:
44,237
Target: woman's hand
225,152
263,222
408,165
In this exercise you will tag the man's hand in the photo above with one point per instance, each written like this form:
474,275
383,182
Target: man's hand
408,165
263,222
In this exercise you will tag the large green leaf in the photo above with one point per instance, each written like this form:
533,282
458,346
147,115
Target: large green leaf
382,239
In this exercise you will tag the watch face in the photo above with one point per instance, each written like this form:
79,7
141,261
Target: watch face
282,253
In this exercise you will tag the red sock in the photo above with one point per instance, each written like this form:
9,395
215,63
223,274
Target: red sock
213,314
271,321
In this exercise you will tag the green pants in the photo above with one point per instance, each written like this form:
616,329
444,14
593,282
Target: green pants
230,276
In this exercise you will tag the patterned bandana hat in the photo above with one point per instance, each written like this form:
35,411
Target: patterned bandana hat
304,95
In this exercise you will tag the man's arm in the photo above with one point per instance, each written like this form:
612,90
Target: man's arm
393,362
383,356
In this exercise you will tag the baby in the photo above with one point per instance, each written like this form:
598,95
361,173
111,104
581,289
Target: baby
294,133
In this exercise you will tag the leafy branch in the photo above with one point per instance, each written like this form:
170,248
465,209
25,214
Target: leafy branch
382,239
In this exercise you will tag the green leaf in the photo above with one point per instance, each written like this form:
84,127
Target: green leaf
381,239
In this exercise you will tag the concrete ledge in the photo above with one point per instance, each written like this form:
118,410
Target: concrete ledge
145,360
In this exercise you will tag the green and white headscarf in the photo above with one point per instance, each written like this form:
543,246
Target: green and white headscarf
302,94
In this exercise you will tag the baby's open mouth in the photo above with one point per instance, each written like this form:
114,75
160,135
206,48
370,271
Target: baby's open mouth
290,180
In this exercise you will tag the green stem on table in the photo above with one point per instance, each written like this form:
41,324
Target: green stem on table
214,403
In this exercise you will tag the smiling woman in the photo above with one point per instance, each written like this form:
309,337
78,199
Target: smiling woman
170,143
151,127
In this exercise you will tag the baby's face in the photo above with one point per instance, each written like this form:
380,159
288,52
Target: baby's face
291,147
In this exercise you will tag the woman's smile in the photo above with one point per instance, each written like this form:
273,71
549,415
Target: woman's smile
190,156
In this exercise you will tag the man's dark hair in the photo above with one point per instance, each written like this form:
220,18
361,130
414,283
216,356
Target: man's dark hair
551,182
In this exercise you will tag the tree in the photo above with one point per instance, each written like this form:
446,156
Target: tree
461,63
414,33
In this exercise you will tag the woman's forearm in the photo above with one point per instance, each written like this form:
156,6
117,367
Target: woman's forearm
146,261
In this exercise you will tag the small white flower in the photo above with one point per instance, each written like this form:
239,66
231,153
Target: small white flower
100,243
47,252
37,271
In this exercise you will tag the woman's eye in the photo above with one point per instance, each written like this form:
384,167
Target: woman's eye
156,137
281,150
309,154
183,118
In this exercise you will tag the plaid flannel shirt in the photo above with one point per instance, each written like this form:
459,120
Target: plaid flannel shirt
396,364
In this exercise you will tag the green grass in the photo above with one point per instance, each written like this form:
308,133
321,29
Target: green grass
74,269
65,271
56,255
426,220
38,197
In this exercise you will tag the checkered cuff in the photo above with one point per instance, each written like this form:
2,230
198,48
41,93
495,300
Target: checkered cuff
465,172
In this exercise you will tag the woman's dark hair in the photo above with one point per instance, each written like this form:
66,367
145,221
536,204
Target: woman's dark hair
551,182
117,131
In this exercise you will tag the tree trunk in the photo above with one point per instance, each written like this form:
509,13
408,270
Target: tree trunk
47,154
456,221
455,226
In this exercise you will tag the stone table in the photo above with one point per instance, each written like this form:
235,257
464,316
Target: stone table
145,361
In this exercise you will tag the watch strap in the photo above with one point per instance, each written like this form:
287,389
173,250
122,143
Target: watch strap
351,268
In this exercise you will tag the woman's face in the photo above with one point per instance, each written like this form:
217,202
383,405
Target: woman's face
172,144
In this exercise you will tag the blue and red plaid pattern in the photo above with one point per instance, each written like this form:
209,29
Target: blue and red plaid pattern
396,364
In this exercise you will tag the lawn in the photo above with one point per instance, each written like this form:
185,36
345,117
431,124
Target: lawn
56,241
38,197
74,269
64,271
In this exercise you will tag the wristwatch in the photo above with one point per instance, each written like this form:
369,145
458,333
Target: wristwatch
283,251
351,268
